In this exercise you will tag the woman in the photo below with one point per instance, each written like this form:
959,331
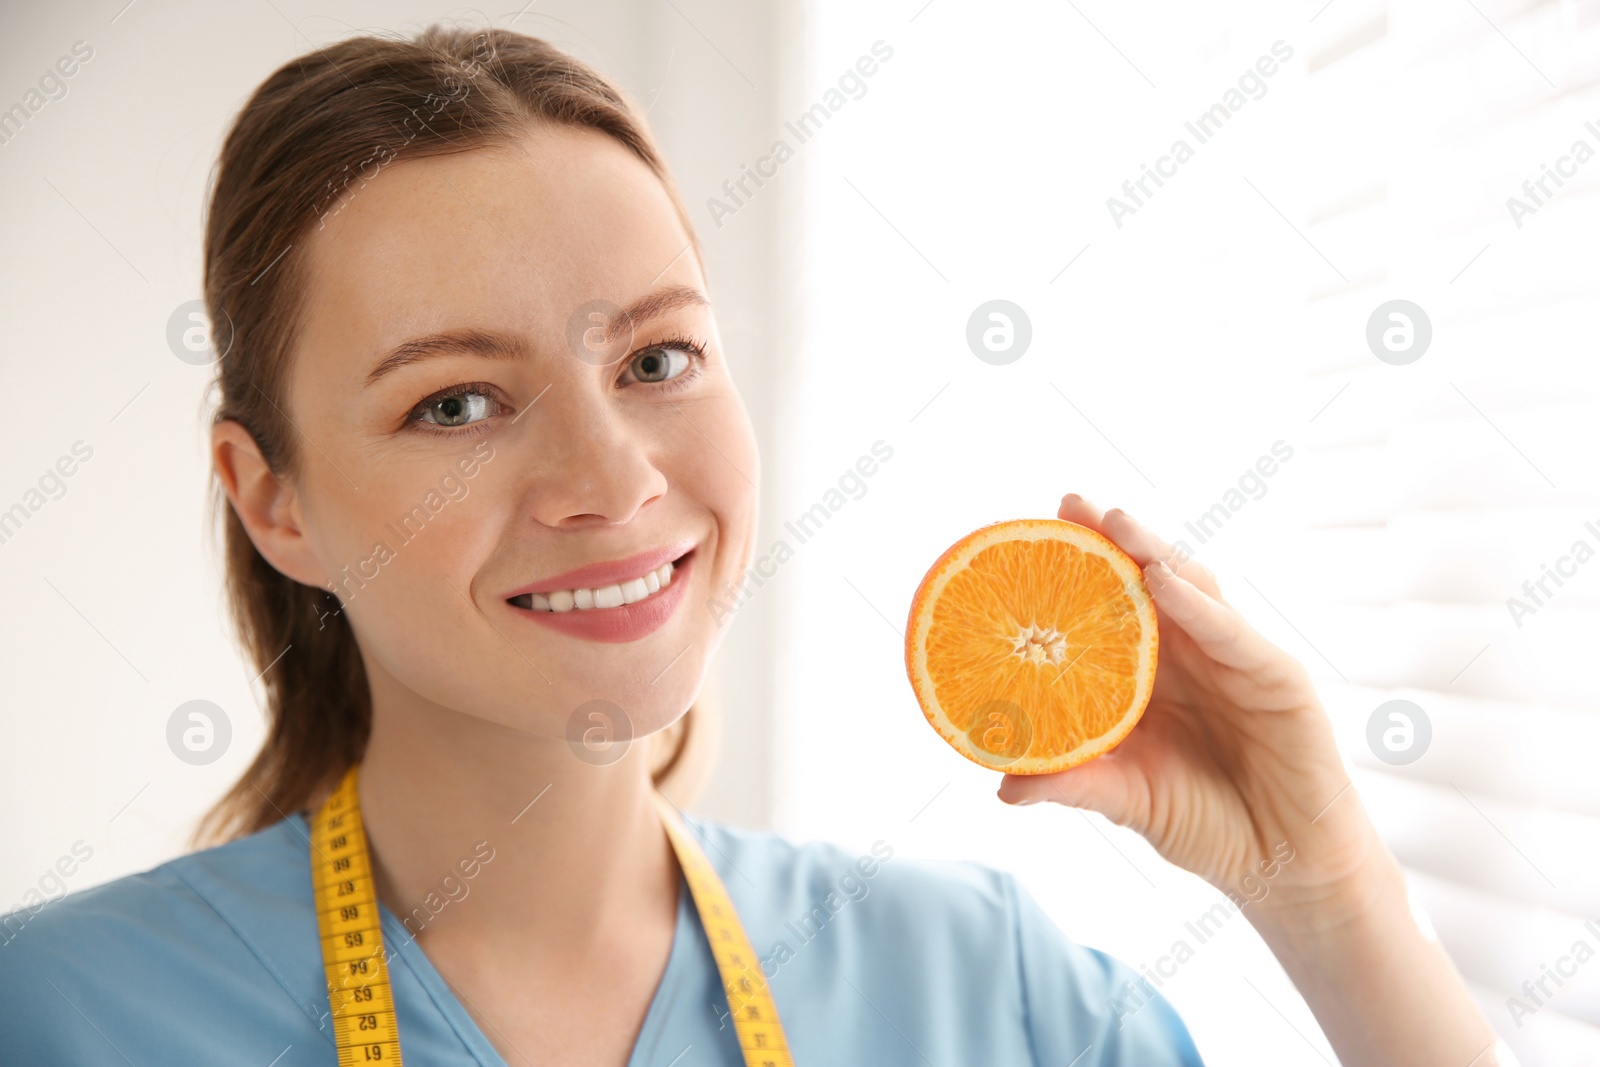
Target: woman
484,468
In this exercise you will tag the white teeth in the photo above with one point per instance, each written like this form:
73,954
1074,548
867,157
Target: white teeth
608,596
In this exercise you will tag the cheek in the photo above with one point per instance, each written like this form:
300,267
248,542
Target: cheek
402,556
398,530
721,472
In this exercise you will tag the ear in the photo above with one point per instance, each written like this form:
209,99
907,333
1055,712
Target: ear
266,505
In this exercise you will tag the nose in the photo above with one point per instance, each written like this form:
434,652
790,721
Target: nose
593,465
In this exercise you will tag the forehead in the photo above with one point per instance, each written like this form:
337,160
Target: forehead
512,236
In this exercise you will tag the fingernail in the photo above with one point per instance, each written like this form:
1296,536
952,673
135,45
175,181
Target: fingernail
1158,574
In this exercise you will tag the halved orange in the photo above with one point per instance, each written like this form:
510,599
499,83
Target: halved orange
1032,645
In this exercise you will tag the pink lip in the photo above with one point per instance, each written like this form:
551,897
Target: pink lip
629,622
597,574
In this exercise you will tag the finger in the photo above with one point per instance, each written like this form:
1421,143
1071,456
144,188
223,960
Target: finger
1134,539
1075,508
1218,630
1106,785
1144,546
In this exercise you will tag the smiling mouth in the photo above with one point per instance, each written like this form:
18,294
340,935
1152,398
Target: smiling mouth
601,598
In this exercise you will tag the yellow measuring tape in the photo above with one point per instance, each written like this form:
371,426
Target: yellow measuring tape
359,995
755,1016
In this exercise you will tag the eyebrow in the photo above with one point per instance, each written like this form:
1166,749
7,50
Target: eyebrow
507,346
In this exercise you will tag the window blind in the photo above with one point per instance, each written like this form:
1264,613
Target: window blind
1451,506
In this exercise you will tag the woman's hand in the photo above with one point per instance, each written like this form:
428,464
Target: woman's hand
1232,766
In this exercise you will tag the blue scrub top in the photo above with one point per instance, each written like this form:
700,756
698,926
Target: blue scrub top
213,958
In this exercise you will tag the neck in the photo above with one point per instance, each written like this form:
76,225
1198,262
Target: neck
486,835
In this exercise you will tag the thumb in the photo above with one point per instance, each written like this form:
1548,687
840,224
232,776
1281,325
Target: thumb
1107,785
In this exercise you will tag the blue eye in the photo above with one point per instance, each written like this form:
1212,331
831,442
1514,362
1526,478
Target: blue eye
666,362
655,364
462,405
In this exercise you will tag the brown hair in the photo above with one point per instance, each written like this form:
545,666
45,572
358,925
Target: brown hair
320,124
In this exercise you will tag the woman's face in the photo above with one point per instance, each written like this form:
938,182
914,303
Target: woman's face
477,421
